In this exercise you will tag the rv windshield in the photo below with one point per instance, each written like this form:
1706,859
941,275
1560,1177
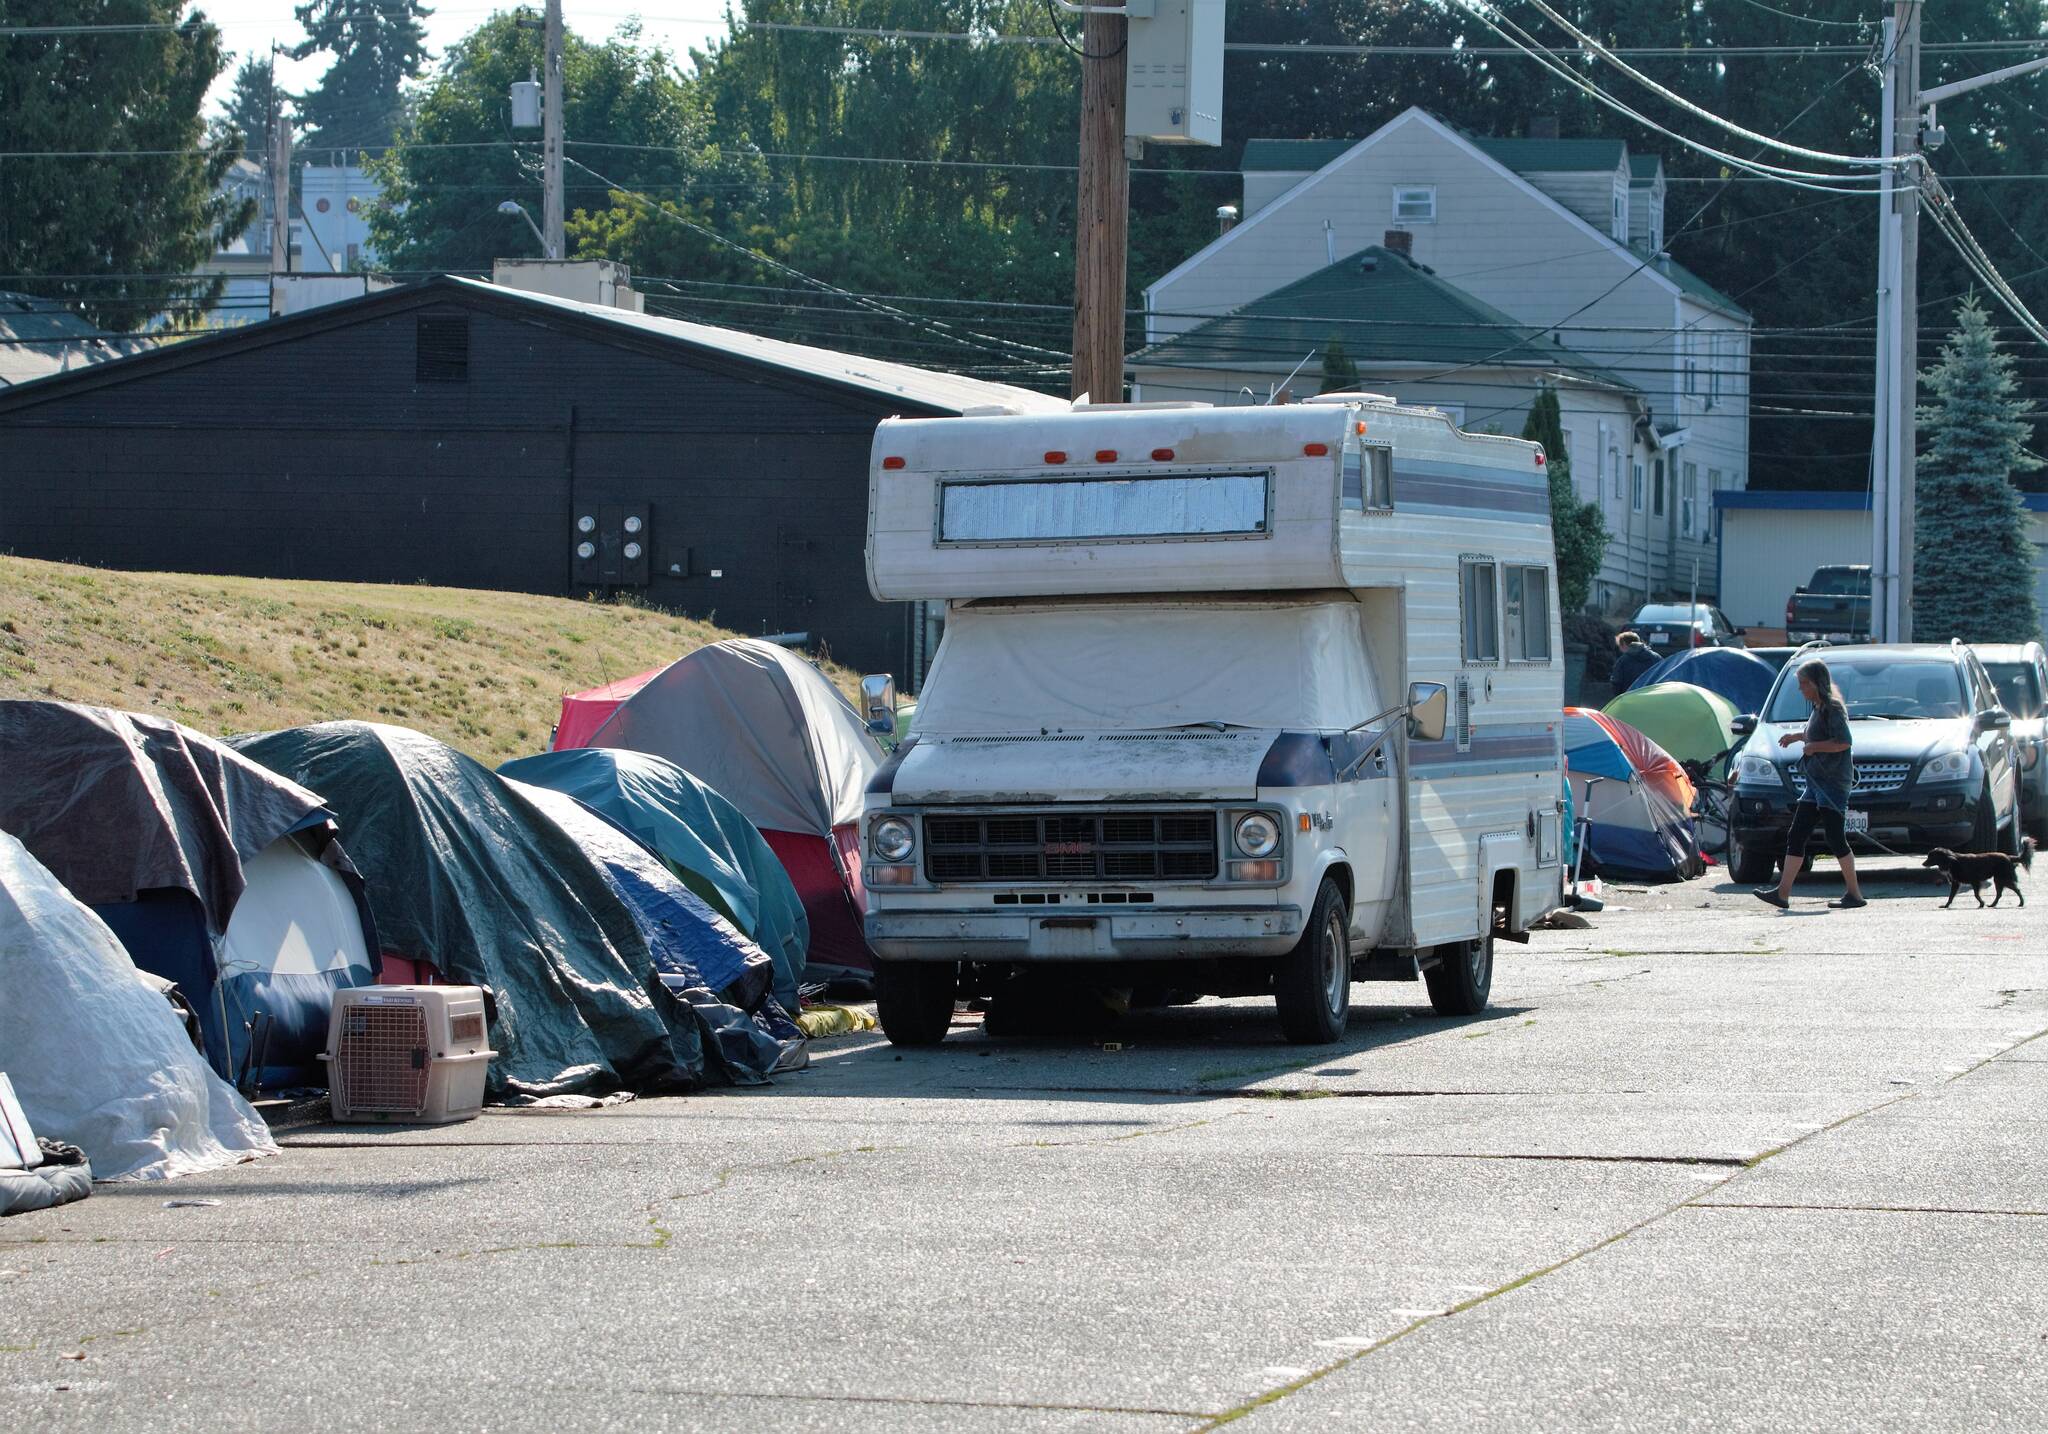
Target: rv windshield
1104,665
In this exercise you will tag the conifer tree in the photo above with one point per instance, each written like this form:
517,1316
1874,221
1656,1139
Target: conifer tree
1340,374
1578,530
252,103
377,46
1973,560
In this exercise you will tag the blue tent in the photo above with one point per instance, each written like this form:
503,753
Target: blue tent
1632,799
698,834
1729,672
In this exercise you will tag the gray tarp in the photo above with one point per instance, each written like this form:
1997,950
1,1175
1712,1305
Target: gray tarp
117,803
759,725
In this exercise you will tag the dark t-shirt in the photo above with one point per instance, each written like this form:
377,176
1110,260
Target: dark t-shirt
1828,773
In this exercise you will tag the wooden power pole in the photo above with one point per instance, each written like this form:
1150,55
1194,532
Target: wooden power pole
1102,217
552,217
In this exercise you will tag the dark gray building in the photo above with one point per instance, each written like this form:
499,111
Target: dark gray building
464,434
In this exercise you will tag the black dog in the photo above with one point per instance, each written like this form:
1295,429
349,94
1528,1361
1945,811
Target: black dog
1973,869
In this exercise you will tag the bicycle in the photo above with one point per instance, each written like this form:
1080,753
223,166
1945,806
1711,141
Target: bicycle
1713,801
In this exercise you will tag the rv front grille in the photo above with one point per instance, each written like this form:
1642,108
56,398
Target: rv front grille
1071,847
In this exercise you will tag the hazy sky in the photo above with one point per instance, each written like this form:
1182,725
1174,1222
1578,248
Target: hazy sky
249,26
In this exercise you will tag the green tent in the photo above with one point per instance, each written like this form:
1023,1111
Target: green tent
1691,723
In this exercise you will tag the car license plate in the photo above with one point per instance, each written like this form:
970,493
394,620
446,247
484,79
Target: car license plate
1660,637
1856,823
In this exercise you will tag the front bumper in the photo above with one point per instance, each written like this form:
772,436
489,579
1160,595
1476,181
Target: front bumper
1921,821
1148,933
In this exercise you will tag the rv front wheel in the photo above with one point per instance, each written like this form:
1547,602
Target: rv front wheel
914,1000
1312,985
1462,978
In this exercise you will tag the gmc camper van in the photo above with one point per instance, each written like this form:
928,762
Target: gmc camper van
1230,700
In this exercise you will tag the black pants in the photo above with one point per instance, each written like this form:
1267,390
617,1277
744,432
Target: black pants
1830,818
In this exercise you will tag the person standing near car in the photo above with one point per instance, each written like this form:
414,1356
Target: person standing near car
1633,658
1829,775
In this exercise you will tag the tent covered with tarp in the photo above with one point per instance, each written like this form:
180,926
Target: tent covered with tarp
214,872
98,1059
1690,723
698,955
1740,677
699,835
473,884
584,712
768,731
1632,801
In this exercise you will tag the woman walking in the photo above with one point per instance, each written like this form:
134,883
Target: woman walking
1829,775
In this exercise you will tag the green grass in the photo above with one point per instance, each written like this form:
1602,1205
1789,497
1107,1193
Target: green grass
482,671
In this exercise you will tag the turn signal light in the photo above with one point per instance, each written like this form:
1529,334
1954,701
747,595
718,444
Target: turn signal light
892,875
1255,871
892,463
1316,450
1055,457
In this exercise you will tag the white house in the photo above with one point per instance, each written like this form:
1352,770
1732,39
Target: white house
1561,236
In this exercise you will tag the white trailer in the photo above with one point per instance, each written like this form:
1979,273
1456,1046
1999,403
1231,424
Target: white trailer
1233,700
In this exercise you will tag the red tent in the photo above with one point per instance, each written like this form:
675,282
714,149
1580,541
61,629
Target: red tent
584,712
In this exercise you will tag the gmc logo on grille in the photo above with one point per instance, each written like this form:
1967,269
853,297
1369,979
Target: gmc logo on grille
1069,848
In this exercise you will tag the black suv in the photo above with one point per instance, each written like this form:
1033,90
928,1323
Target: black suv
1933,751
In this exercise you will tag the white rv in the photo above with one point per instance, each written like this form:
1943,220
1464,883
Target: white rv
1236,700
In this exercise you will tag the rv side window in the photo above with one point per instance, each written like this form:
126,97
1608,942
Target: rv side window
1480,599
1528,614
1368,479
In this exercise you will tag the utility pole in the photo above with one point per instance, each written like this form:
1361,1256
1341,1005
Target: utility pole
551,134
280,161
1102,214
1893,435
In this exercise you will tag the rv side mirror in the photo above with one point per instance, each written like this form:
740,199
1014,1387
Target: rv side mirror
1744,725
878,703
1426,704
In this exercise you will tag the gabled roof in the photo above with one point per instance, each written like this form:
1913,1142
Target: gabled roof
849,374
1554,156
1386,309
1291,156
1644,168
1698,288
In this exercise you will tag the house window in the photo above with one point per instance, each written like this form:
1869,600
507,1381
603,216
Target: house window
1656,228
1415,203
1717,353
1528,614
1621,214
1369,479
1657,490
1688,498
1480,600
1690,352
1635,487
1614,467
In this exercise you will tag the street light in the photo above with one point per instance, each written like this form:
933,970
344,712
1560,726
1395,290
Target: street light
513,206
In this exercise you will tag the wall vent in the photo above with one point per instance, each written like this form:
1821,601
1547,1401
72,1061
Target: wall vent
441,348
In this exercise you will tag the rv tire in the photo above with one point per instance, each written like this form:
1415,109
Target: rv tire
1462,978
914,1000
1312,983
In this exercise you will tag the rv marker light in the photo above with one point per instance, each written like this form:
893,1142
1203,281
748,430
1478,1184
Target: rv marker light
1105,455
1162,455
892,463
1055,457
1315,450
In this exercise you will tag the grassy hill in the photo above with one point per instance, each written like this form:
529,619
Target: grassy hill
482,671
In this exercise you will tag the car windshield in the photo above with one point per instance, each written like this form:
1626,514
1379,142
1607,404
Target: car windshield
1664,612
1879,687
2019,692
1841,582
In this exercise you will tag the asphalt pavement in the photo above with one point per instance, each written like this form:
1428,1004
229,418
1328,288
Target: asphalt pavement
1703,1166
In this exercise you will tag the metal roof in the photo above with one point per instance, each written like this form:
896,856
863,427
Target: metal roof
1642,168
39,337
1291,156
1385,308
1552,156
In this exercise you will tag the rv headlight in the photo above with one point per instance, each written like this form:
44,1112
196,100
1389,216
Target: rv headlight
1258,835
893,839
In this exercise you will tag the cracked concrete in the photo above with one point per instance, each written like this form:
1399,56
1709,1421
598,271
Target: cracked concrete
1798,1189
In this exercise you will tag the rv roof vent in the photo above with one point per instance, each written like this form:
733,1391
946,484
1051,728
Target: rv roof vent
989,410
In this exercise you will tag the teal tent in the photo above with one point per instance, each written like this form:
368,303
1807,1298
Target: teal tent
697,833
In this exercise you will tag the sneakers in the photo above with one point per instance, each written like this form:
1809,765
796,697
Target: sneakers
1847,903
1768,895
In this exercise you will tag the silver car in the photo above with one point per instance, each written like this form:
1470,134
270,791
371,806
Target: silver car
2020,672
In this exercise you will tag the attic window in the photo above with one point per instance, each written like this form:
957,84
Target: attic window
1415,204
441,349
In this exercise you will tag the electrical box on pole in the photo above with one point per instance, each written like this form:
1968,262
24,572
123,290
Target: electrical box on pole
526,104
1174,72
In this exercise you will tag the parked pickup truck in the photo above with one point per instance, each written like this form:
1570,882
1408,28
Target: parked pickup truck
1833,606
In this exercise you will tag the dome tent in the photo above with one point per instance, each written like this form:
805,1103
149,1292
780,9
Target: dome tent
1689,723
1631,799
768,731
1734,673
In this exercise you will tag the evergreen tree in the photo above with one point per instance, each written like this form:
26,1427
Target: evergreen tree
1973,560
377,46
251,104
117,236
1578,531
1340,374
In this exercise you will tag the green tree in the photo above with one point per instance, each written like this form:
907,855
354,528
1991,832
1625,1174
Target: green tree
1578,531
377,45
1340,374
251,105
1973,561
118,236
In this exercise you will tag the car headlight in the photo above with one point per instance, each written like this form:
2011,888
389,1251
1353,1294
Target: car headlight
1946,767
1258,835
893,839
1757,769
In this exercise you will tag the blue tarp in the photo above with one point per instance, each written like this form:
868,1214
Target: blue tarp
1726,671
697,833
